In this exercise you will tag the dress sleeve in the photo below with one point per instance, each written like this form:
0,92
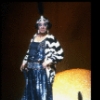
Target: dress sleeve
55,50
27,54
57,54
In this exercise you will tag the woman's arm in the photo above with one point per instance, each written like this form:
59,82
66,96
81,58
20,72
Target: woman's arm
24,62
54,51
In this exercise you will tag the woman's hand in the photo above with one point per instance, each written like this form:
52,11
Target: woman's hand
23,67
46,63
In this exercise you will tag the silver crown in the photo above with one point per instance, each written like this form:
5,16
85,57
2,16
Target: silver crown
42,19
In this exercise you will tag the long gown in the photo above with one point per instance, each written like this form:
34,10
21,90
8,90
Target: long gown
38,85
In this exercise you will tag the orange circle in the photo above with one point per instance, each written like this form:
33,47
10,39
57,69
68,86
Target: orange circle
68,83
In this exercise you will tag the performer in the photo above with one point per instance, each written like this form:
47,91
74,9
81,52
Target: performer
39,63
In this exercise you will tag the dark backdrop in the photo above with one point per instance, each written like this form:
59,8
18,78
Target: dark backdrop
71,25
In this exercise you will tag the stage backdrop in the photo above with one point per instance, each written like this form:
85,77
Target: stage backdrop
71,24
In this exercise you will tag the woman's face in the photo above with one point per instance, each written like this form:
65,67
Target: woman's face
42,27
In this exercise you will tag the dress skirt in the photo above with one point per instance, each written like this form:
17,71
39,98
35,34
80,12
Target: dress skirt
38,85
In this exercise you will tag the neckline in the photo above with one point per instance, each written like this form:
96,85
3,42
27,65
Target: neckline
36,42
41,40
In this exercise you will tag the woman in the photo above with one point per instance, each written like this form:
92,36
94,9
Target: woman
39,63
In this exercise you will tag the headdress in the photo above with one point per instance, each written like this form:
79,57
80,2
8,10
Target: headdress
41,12
42,18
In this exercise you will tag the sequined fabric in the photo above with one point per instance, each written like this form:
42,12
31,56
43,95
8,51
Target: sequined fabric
38,85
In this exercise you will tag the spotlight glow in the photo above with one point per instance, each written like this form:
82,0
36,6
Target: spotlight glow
68,83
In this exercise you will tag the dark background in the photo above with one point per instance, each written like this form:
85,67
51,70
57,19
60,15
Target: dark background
71,24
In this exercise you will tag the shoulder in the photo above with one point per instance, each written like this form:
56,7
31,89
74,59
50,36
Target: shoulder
51,37
31,40
52,41
34,35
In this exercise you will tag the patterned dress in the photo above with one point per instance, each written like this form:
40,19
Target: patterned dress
38,82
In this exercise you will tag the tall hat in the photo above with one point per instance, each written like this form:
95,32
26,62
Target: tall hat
42,18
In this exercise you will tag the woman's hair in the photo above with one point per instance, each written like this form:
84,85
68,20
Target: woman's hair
49,25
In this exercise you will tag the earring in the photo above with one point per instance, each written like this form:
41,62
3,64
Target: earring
38,32
48,31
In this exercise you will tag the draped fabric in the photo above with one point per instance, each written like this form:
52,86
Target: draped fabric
38,84
53,50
